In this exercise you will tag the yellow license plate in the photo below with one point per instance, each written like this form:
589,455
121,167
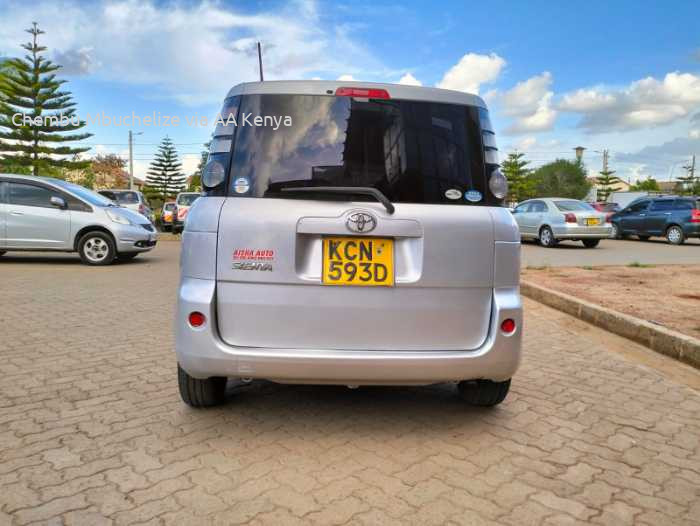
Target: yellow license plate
366,261
592,221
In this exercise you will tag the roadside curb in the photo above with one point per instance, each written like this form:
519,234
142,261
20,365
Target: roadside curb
660,339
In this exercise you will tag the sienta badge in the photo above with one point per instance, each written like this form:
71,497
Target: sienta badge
473,196
453,193
241,185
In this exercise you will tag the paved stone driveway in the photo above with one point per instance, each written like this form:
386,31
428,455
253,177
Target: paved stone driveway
92,430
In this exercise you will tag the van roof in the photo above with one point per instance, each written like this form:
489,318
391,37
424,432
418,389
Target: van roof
322,87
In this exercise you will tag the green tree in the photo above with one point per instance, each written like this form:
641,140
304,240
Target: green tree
605,184
520,184
648,185
561,178
29,87
195,184
686,183
164,177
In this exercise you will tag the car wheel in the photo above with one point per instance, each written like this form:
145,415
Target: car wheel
546,238
127,256
590,243
197,392
616,233
675,235
483,392
643,238
96,248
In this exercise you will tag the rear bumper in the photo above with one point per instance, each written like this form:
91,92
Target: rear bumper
202,353
691,229
572,231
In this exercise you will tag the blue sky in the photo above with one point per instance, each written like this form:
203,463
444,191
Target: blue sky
618,75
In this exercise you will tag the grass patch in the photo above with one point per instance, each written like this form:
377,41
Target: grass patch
637,264
533,267
587,267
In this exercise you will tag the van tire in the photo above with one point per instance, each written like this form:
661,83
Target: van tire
546,237
197,392
90,254
590,243
483,392
675,235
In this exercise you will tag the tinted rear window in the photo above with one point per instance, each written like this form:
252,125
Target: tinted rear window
187,199
686,204
414,152
127,198
573,206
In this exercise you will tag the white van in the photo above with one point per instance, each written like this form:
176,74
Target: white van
351,234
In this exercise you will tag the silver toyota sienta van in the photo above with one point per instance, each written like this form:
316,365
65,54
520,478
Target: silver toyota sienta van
352,234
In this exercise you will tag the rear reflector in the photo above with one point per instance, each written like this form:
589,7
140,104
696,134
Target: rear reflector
508,326
197,319
570,218
364,93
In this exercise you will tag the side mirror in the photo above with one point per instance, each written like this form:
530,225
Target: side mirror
58,202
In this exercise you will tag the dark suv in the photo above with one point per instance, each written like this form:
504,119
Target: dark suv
675,218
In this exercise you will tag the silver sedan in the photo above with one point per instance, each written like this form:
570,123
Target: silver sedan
552,219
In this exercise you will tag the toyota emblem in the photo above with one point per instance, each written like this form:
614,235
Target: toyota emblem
361,222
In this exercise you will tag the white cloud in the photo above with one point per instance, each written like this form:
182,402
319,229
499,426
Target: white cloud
472,71
347,77
694,134
525,144
410,80
190,51
529,104
645,103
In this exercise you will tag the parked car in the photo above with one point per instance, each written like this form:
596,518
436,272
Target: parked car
46,214
553,219
131,199
608,208
167,216
183,203
344,249
672,217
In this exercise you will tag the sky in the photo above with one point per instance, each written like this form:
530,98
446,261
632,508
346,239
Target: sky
622,76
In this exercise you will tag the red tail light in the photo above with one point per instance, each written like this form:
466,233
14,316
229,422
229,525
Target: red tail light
695,216
364,93
197,319
570,218
508,326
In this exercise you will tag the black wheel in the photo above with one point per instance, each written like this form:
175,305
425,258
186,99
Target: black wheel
547,238
643,238
177,230
483,392
590,243
196,392
616,232
96,248
127,256
675,235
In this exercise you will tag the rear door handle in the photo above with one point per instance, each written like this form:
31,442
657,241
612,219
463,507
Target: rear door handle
15,213
667,213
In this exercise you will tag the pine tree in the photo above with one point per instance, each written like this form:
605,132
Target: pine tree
520,185
29,87
605,184
195,184
165,178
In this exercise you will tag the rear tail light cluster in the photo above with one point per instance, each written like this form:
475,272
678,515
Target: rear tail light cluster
695,216
570,218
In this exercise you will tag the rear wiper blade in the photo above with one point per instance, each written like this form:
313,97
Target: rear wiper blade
351,190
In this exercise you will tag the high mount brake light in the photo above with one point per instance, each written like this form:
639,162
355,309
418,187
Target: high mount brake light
364,93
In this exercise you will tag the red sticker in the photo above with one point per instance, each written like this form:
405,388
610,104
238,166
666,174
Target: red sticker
252,254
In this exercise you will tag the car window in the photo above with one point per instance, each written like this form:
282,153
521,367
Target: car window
573,206
538,206
638,207
169,206
520,209
665,204
127,198
30,195
187,199
683,204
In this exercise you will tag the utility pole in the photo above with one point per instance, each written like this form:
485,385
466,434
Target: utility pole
605,160
260,62
131,161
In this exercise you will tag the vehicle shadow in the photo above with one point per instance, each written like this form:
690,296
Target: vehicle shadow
31,258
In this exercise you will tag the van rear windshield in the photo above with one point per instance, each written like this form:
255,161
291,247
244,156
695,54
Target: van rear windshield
413,152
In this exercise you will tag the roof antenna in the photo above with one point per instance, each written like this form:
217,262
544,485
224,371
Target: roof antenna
260,62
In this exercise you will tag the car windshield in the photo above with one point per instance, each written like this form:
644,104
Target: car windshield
169,206
127,198
83,193
187,199
573,206
413,152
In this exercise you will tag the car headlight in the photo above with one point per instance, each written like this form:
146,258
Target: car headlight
118,218
498,184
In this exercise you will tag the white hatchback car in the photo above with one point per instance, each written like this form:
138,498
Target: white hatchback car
351,234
